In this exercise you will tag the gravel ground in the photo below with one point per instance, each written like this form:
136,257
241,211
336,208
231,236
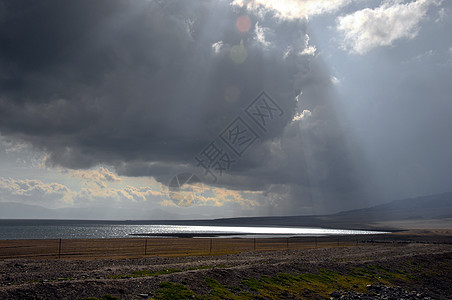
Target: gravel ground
75,279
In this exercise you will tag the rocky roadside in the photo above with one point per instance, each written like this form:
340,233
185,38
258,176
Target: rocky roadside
388,271
377,291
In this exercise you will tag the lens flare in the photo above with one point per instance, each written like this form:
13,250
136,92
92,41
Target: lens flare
243,24
238,54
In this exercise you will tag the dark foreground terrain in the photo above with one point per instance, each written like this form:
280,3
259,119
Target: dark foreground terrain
366,271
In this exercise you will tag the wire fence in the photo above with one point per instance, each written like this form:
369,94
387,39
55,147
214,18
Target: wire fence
138,247
94,248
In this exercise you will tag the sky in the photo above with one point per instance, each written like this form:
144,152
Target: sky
142,109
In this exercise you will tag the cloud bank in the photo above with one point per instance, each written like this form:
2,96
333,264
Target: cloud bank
145,86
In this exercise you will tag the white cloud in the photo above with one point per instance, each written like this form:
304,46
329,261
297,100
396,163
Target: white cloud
366,29
102,185
334,80
99,176
216,47
216,196
97,190
260,35
300,116
425,55
441,15
308,49
293,9
126,194
35,192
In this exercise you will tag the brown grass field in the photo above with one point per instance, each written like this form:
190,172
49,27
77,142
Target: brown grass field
170,247
139,247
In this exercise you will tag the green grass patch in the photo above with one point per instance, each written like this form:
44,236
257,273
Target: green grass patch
381,274
218,291
174,291
307,285
65,279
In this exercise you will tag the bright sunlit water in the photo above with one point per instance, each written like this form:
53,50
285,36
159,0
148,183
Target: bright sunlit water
55,229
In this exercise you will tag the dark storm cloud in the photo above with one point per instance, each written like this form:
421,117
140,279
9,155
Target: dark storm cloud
139,86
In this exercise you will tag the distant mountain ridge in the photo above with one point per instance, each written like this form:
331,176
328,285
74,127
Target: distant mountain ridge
437,206
432,206
9,210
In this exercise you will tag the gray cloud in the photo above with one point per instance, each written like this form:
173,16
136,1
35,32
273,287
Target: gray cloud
144,86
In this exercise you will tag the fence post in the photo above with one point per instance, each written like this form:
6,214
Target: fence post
254,244
316,242
210,248
59,250
287,243
145,247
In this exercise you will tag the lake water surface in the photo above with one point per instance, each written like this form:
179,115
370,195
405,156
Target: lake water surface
75,229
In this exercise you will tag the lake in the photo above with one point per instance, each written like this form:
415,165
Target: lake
82,229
